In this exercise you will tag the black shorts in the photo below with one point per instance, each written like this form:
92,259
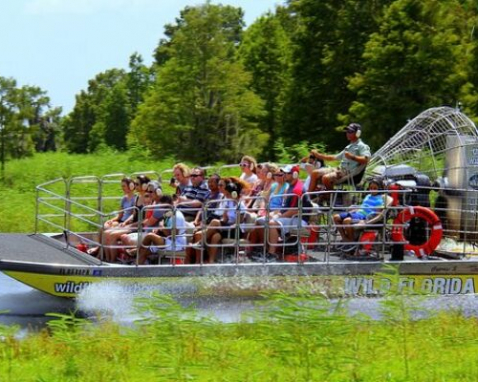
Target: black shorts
227,233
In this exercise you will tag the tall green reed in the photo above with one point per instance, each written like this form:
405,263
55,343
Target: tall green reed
287,338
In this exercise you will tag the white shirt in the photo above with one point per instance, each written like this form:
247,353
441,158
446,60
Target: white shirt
251,179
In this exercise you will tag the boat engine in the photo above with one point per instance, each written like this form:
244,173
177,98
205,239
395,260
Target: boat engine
404,177
458,188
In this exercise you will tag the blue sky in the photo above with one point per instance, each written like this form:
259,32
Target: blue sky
59,45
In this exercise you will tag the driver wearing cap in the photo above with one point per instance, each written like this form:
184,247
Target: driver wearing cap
355,154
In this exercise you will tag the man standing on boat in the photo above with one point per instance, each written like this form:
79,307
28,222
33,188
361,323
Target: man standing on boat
353,160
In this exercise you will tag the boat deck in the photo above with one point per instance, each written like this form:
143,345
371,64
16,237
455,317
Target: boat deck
42,249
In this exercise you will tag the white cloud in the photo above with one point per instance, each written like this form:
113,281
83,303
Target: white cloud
84,6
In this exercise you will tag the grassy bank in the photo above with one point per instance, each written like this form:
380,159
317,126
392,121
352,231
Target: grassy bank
17,191
295,341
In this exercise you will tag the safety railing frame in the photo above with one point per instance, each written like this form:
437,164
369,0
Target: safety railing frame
70,201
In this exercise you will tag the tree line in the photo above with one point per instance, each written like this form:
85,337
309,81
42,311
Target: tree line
217,89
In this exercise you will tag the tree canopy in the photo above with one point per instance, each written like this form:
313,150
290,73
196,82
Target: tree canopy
217,89
201,107
28,123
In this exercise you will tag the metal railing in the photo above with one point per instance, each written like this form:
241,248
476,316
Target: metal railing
312,231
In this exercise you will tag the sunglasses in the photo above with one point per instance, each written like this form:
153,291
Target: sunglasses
195,175
147,195
243,164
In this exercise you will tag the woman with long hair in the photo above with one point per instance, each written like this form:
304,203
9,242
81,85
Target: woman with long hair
248,166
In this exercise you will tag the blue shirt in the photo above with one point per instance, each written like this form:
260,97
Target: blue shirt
371,204
275,198
127,207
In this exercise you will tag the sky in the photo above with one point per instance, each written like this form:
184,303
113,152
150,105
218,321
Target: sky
59,45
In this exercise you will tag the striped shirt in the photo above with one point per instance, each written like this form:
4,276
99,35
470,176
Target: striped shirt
200,192
372,204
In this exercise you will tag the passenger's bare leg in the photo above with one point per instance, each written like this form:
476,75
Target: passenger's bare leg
106,241
212,251
273,237
109,252
329,180
128,242
315,178
197,239
349,230
114,241
190,254
111,239
149,239
338,223
256,236
143,254
212,229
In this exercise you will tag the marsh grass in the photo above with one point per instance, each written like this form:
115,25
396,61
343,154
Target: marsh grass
17,190
301,338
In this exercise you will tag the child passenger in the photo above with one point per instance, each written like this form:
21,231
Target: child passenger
372,204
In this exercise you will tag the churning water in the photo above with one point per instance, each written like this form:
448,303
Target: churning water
21,305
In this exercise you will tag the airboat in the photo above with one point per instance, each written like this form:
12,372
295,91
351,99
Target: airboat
425,239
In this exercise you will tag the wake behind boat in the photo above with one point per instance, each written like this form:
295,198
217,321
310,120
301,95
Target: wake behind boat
423,239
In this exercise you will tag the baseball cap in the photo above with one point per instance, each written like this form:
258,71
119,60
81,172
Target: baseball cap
290,169
353,128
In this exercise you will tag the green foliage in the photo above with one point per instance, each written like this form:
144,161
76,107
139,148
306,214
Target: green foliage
329,41
78,124
100,114
294,153
301,338
218,90
27,122
22,176
266,53
116,117
411,64
201,108
139,79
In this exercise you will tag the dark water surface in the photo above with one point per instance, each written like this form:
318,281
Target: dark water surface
26,307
